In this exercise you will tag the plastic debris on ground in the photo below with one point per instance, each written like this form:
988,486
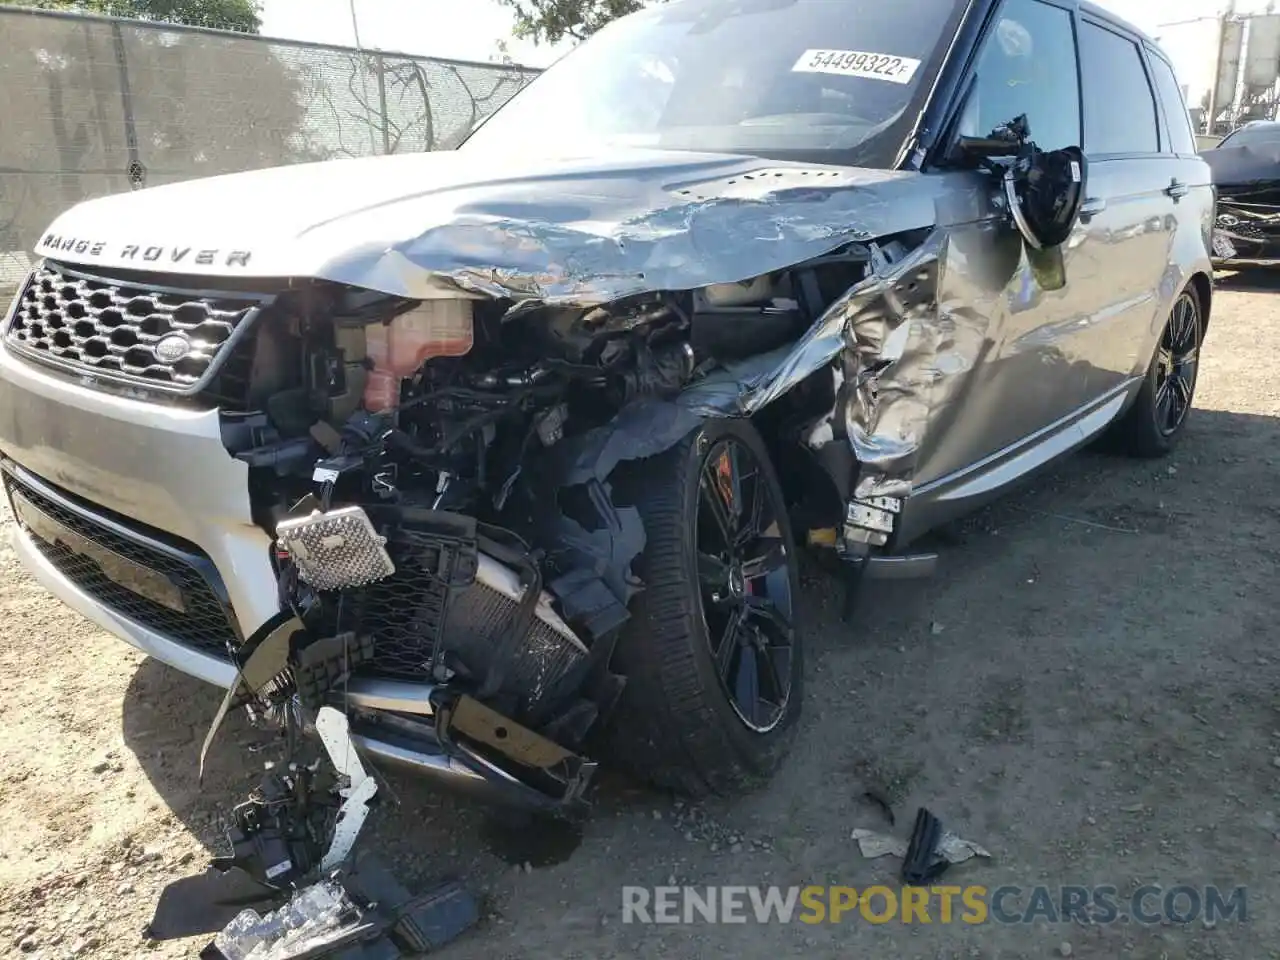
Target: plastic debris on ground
292,856
953,849
317,916
949,848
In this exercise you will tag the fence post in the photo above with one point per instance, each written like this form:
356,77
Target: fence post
381,67
136,172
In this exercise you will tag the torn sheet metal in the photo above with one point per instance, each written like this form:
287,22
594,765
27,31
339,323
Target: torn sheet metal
895,351
951,848
890,342
894,357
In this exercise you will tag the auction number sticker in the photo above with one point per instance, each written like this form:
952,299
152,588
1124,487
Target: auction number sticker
858,63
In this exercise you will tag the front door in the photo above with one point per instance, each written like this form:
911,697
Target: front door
1030,373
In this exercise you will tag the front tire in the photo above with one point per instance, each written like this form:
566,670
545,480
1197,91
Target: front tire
1156,420
711,654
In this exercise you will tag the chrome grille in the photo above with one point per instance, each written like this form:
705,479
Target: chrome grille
112,329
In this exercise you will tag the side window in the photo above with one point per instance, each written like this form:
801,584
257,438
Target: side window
1027,66
1182,138
1119,109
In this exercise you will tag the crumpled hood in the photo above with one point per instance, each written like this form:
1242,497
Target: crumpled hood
583,230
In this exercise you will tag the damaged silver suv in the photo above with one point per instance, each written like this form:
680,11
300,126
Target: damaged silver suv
507,451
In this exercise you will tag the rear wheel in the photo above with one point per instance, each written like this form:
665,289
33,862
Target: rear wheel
712,656
1156,419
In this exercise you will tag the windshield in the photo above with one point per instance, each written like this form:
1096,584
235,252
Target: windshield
1253,136
834,80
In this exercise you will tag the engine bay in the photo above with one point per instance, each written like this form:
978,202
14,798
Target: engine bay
440,403
478,437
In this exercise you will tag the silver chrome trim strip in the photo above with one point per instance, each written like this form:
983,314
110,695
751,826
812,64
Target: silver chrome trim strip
906,567
1001,467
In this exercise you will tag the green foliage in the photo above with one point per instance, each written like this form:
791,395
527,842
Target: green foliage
548,21
239,15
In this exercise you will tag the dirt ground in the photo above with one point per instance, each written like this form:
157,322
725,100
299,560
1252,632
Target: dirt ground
1087,688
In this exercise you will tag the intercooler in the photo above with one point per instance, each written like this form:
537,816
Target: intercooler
427,610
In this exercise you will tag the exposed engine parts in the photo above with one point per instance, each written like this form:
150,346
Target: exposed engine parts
438,477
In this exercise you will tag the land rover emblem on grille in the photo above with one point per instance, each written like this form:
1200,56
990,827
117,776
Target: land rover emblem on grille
172,348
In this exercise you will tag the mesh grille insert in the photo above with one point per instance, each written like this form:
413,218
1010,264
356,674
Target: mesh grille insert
162,339
204,625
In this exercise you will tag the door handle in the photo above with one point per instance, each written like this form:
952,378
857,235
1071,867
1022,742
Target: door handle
1177,189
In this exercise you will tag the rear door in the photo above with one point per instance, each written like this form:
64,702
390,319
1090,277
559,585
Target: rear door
1194,193
1129,212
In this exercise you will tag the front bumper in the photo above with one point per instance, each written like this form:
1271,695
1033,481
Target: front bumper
1246,237
407,743
163,466
204,665
157,478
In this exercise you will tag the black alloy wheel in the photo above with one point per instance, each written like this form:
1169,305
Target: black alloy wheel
1156,419
1177,363
744,581
713,654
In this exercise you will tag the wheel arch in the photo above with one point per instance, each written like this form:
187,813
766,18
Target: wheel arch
1202,283
817,477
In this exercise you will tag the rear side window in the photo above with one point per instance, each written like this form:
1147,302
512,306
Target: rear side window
1182,138
1119,109
1027,66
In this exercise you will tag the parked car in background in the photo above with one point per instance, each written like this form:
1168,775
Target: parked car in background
1246,173
539,425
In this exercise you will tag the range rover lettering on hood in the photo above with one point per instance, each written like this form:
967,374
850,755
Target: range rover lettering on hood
55,243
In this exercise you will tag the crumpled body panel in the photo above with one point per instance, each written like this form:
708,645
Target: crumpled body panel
587,231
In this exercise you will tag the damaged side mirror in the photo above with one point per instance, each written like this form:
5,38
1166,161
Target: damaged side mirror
1043,192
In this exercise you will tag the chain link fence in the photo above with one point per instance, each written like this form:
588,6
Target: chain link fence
95,105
